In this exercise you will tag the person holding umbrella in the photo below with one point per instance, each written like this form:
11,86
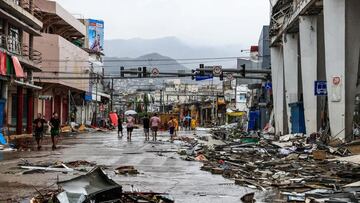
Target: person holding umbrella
130,126
130,122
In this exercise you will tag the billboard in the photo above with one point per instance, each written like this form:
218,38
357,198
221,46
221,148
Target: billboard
96,35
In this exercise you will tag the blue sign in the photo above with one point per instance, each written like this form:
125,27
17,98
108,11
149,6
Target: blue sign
320,88
88,96
268,85
203,77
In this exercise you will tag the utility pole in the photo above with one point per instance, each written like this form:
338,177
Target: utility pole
96,102
112,94
69,106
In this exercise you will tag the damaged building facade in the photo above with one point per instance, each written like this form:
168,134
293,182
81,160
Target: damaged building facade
315,64
19,26
41,46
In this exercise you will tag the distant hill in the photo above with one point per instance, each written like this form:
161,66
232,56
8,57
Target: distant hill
163,63
171,47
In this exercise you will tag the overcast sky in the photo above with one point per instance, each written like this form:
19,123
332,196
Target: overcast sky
202,22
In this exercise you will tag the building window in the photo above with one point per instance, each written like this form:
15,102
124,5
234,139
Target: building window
14,40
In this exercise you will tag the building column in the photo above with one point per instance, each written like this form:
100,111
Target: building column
308,48
31,46
291,72
20,110
342,44
277,72
30,111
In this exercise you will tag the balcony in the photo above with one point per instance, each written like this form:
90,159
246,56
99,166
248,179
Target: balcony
285,14
23,10
30,57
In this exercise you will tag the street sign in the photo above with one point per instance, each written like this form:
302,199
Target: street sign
203,77
320,88
336,80
268,85
230,76
336,89
155,72
217,71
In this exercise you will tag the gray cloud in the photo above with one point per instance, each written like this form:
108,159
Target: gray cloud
194,21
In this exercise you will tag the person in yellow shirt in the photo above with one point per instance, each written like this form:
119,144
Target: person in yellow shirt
193,124
176,125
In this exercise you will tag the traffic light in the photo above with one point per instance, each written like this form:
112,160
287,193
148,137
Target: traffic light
122,71
221,76
243,66
144,72
193,75
202,69
139,72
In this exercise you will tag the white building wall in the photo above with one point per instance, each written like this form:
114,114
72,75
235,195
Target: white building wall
309,65
342,44
291,71
277,71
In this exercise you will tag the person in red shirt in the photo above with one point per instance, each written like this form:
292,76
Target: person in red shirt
155,124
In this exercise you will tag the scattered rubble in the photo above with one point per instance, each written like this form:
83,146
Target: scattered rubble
301,168
96,186
126,170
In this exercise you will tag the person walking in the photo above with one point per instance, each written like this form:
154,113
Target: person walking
120,127
155,124
171,126
130,126
55,129
39,129
146,124
176,125
193,125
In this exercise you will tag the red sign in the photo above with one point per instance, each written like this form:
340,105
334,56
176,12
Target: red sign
336,80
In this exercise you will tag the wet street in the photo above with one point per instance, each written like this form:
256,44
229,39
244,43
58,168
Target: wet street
162,171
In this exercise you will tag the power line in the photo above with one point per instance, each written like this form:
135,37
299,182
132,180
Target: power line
151,60
132,66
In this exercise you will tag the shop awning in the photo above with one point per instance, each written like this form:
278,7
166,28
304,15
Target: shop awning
2,63
19,72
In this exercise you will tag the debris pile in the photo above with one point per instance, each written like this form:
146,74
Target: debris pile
96,186
300,168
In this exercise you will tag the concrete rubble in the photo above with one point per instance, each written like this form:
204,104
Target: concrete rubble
299,168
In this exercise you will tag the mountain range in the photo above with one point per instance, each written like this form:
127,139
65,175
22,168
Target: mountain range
171,47
152,60
168,46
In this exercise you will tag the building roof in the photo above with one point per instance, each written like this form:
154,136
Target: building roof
60,21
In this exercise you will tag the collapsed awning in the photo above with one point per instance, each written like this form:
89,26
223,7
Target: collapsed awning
19,72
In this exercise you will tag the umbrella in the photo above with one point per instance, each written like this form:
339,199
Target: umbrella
130,112
188,117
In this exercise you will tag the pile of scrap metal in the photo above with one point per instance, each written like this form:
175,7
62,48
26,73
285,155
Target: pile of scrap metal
299,167
96,186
